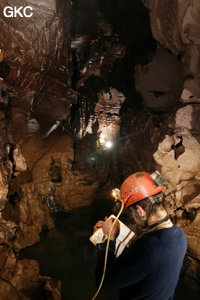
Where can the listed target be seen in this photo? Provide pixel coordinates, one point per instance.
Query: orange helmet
(138, 186)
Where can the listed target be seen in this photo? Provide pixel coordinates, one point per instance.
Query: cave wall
(36, 65)
(61, 86)
(170, 125)
(176, 27)
(35, 69)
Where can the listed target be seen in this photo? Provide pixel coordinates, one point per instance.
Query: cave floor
(67, 254)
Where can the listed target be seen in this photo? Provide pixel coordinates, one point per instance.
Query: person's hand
(98, 225)
(107, 227)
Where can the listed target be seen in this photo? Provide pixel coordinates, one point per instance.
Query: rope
(106, 252)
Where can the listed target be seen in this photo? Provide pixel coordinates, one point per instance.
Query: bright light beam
(109, 144)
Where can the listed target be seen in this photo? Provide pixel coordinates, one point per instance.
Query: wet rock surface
(73, 72)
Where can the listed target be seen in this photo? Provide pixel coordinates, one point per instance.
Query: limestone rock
(21, 279)
(176, 26)
(160, 82)
(191, 229)
(33, 215)
(19, 161)
(38, 69)
(58, 182)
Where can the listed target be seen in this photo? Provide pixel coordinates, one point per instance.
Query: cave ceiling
(69, 43)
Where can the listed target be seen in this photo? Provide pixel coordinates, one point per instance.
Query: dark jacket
(149, 269)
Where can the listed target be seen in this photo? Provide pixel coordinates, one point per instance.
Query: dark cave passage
(76, 76)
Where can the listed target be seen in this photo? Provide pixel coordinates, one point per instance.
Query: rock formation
(62, 85)
(179, 154)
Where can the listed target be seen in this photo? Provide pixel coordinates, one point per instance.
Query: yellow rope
(106, 252)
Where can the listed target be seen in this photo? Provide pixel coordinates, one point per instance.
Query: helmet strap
(145, 218)
(157, 223)
(152, 202)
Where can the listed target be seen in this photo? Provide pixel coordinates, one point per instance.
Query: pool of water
(67, 254)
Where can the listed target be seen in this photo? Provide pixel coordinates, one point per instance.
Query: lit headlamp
(116, 193)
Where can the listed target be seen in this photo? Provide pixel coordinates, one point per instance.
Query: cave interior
(92, 91)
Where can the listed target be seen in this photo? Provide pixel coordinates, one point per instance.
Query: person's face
(141, 213)
(137, 221)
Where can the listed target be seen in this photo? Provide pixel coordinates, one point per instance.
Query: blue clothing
(149, 269)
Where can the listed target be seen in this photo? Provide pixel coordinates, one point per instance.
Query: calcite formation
(179, 158)
(61, 89)
(176, 26)
(57, 184)
(160, 82)
(38, 66)
(35, 76)
(21, 279)
(106, 113)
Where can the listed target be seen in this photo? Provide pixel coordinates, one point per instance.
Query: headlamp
(158, 179)
(116, 194)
